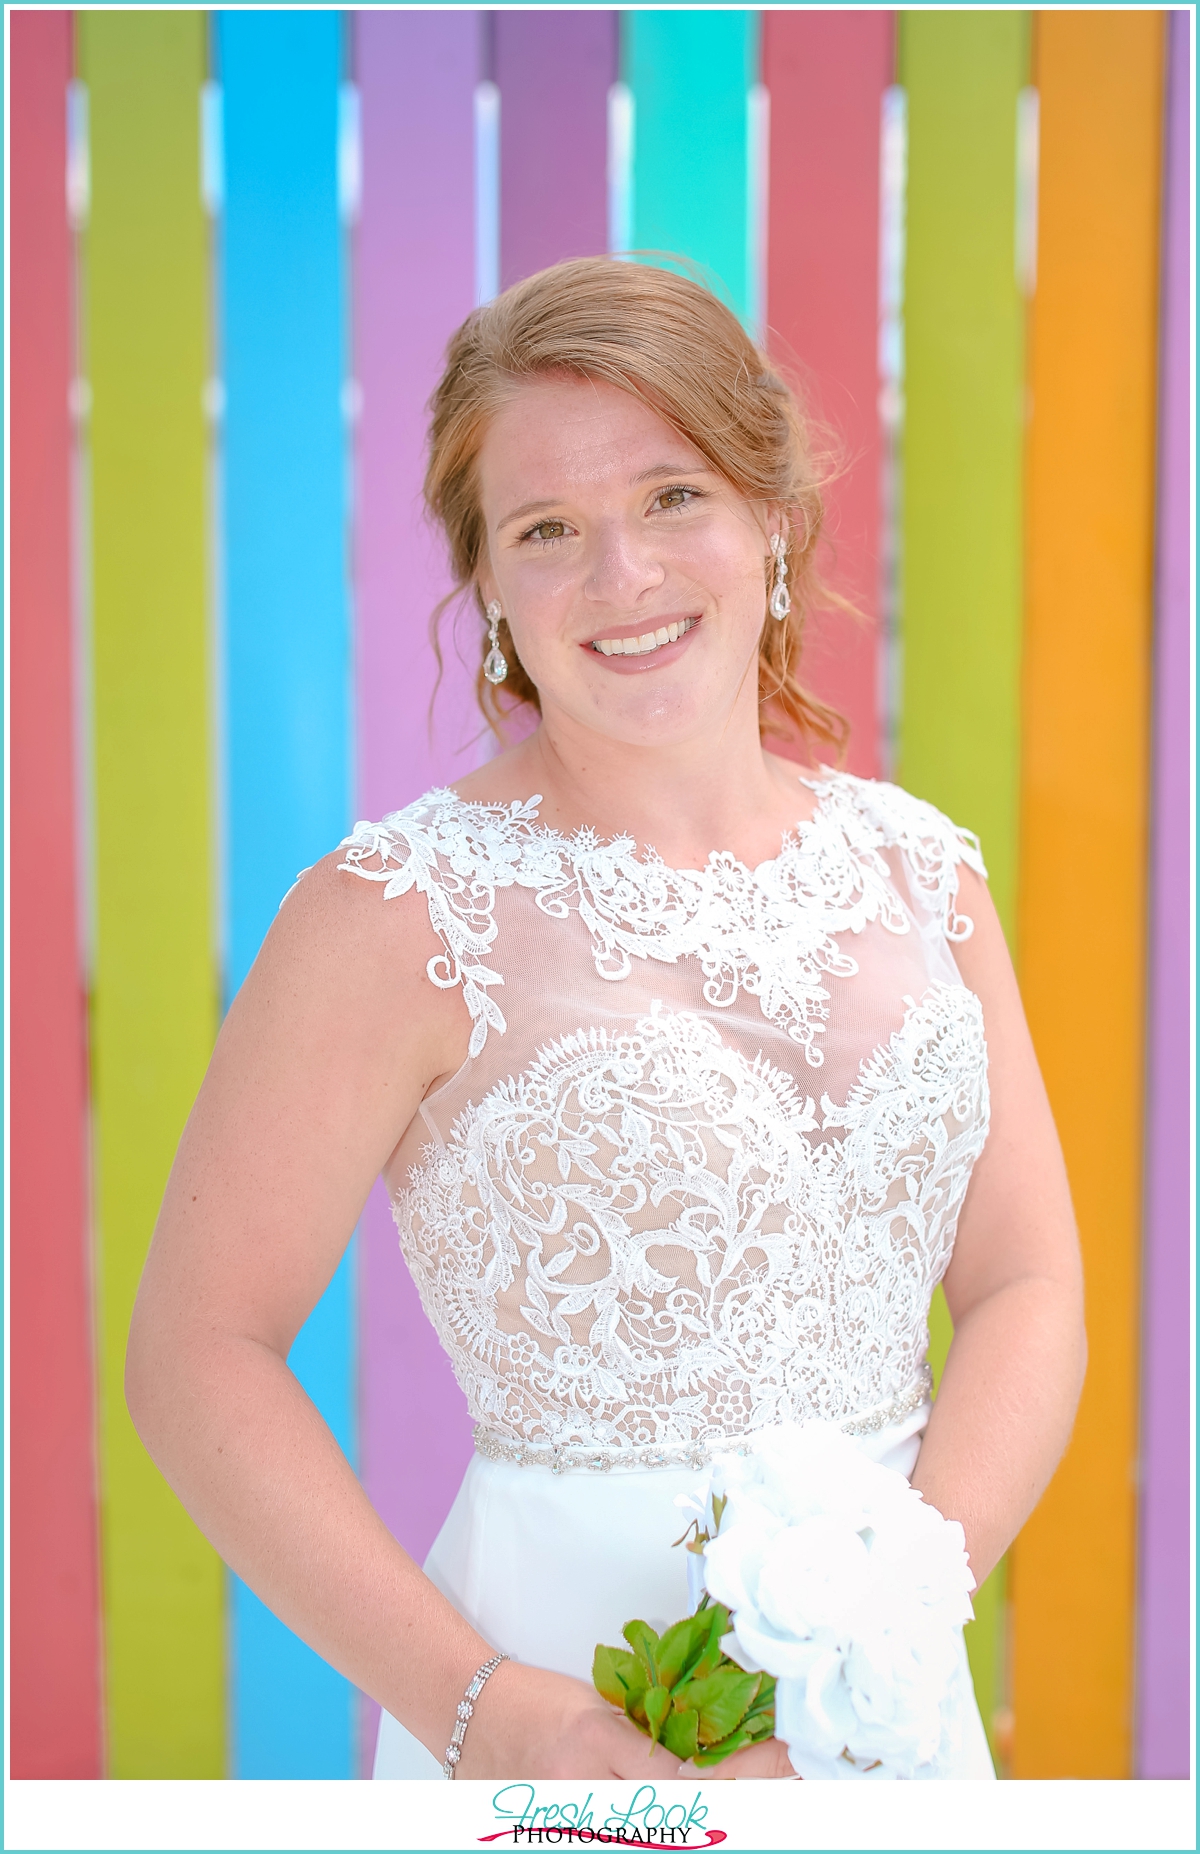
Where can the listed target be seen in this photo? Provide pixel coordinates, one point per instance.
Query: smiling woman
(690, 1074)
(706, 414)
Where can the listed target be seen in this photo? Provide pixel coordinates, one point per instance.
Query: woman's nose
(622, 565)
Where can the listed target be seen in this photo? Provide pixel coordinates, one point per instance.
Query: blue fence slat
(286, 674)
(691, 72)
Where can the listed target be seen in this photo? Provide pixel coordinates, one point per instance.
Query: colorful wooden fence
(233, 270)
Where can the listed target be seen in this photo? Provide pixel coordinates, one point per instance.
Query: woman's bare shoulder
(982, 954)
(331, 915)
(341, 986)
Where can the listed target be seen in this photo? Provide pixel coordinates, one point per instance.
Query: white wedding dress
(700, 1173)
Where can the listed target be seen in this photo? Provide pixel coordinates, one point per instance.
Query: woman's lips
(626, 649)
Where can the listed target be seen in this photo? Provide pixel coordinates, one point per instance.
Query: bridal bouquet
(843, 1593)
(850, 1589)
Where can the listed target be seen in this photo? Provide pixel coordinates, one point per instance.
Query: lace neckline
(586, 840)
(776, 931)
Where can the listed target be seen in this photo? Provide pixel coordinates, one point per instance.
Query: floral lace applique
(647, 1239)
(770, 932)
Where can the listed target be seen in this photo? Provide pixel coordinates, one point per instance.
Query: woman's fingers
(768, 1759)
(638, 1760)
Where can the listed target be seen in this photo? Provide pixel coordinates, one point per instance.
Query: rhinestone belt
(559, 1457)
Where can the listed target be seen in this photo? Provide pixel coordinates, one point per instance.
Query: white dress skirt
(547, 1565)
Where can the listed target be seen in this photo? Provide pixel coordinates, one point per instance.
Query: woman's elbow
(151, 1370)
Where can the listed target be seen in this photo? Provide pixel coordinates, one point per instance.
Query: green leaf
(644, 1642)
(764, 1701)
(613, 1671)
(712, 1654)
(679, 1733)
(634, 1707)
(713, 1754)
(680, 1647)
(657, 1706)
(721, 1700)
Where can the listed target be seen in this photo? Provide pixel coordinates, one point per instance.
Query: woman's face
(631, 574)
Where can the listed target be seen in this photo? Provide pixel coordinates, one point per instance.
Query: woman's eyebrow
(643, 476)
(527, 508)
(695, 468)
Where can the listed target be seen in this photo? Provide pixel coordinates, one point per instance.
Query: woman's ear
(775, 517)
(485, 585)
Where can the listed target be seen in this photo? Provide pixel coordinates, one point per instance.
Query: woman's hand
(766, 1759)
(530, 1723)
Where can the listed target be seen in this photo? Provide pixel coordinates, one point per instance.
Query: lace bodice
(702, 1168)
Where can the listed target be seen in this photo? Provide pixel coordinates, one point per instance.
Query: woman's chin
(657, 724)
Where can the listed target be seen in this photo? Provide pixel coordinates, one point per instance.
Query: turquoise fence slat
(287, 675)
(690, 74)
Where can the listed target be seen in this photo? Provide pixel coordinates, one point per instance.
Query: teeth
(641, 646)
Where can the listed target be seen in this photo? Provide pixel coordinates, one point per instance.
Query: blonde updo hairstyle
(671, 343)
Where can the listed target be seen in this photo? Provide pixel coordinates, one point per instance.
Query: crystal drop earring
(780, 602)
(495, 666)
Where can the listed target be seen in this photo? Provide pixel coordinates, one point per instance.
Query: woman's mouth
(647, 643)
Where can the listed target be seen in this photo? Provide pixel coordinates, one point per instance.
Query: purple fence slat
(1165, 1632)
(553, 70)
(414, 281)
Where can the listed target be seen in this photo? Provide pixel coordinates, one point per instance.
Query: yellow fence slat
(154, 1001)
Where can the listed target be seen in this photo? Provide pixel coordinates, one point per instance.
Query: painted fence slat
(414, 283)
(963, 428)
(1164, 1735)
(826, 74)
(960, 585)
(54, 1570)
(1082, 932)
(553, 69)
(154, 1004)
(690, 73)
(287, 672)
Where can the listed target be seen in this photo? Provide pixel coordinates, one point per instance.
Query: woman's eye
(546, 531)
(676, 497)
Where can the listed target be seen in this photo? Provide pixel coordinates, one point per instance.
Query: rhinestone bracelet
(466, 1707)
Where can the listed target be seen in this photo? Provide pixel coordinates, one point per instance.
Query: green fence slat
(963, 440)
(154, 1003)
(961, 528)
(690, 74)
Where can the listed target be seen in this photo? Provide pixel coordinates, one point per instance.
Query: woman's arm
(1014, 1287)
(320, 1065)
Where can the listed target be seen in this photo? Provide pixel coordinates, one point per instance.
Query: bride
(690, 1072)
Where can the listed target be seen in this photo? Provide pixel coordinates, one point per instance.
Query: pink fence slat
(414, 282)
(553, 69)
(826, 73)
(55, 1632)
(1164, 1731)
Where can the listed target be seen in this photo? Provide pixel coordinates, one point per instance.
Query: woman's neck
(684, 799)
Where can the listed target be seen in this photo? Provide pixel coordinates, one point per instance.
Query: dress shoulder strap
(931, 845)
(457, 855)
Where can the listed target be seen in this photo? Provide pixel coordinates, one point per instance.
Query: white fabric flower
(849, 1588)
